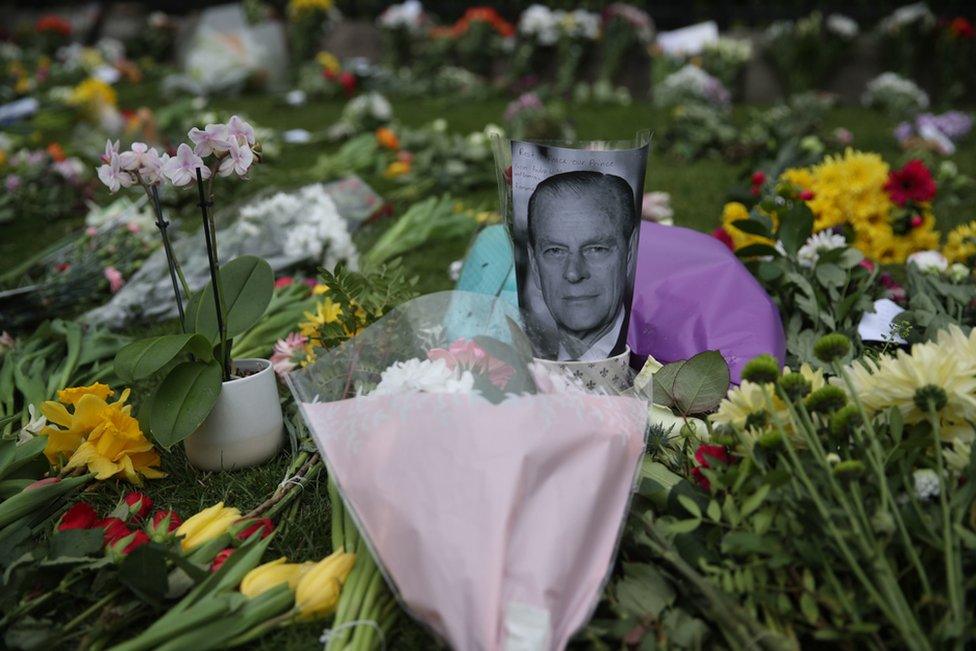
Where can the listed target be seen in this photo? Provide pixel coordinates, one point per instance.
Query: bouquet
(560, 466)
(691, 85)
(805, 52)
(895, 95)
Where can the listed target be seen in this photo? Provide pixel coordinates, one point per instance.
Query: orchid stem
(172, 263)
(210, 238)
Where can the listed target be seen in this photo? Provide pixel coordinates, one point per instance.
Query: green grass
(697, 190)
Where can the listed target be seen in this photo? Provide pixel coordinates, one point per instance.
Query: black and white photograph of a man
(575, 225)
(581, 232)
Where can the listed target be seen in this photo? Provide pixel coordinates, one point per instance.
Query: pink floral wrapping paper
(496, 523)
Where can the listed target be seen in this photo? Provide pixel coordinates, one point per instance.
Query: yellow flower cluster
(747, 400)
(948, 363)
(960, 244)
(328, 61)
(849, 189)
(735, 211)
(92, 95)
(301, 8)
(326, 312)
(98, 434)
(317, 586)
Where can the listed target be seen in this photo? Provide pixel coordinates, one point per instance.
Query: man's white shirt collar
(602, 347)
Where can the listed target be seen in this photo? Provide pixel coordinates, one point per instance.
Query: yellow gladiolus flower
(72, 395)
(206, 525)
(264, 577)
(318, 590)
(117, 446)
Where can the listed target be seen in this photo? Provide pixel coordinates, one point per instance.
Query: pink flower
(132, 160)
(12, 182)
(283, 281)
(133, 227)
(212, 139)
(91, 231)
(152, 167)
(114, 278)
(182, 169)
(238, 161)
(240, 129)
(287, 352)
(470, 356)
(110, 149)
(113, 176)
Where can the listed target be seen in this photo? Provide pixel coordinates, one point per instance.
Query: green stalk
(357, 593)
(338, 535)
(953, 580)
(362, 637)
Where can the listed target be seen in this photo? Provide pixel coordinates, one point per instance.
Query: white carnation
(928, 261)
(426, 376)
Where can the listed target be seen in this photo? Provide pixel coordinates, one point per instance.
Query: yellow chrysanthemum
(960, 243)
(328, 61)
(733, 212)
(948, 363)
(92, 94)
(801, 177)
(747, 400)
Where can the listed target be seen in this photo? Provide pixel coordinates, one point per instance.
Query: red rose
(140, 539)
(115, 529)
(79, 516)
(807, 195)
(264, 525)
(705, 455)
(913, 182)
(174, 520)
(139, 505)
(221, 558)
(722, 236)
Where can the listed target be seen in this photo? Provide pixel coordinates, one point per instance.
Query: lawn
(697, 191)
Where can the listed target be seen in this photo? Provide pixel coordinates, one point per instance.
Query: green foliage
(693, 386)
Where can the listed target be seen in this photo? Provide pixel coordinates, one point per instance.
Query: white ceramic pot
(613, 374)
(245, 427)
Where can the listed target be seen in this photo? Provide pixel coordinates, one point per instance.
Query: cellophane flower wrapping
(491, 489)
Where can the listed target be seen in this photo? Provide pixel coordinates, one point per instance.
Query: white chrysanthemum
(541, 23)
(407, 15)
(426, 376)
(928, 261)
(818, 243)
(947, 363)
(842, 26)
(927, 484)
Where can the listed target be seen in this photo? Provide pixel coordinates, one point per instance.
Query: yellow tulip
(264, 577)
(318, 589)
(207, 525)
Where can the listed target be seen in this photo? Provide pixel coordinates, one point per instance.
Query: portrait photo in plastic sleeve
(575, 224)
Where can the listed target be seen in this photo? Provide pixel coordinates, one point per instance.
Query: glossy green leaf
(796, 228)
(143, 358)
(183, 400)
(246, 288)
(752, 227)
(700, 383)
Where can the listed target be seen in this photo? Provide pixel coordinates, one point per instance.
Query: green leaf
(690, 506)
(755, 500)
(246, 288)
(144, 570)
(744, 542)
(752, 227)
(830, 275)
(701, 383)
(183, 400)
(643, 591)
(714, 511)
(675, 527)
(757, 251)
(143, 358)
(796, 228)
(75, 543)
(664, 383)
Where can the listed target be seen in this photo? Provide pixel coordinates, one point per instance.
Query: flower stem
(175, 271)
(953, 580)
(211, 240)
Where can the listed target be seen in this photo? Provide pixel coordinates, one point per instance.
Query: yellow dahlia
(960, 243)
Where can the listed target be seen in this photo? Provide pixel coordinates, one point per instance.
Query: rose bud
(79, 516)
(139, 505)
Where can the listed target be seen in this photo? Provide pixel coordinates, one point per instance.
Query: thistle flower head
(763, 369)
(795, 386)
(834, 346)
(844, 421)
(826, 399)
(931, 398)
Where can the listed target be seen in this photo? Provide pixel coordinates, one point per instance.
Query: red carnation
(79, 516)
(264, 525)
(913, 182)
(723, 236)
(139, 504)
(115, 529)
(221, 558)
(140, 539)
(703, 454)
(348, 82)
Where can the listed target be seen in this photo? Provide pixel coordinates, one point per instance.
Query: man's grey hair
(617, 197)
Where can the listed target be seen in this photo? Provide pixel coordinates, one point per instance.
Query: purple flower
(903, 132)
(152, 167)
(238, 161)
(110, 148)
(133, 159)
(113, 176)
(182, 169)
(238, 128)
(12, 182)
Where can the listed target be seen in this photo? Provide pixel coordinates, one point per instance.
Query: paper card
(876, 326)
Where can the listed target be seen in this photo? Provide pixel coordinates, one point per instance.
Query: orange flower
(56, 152)
(386, 138)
